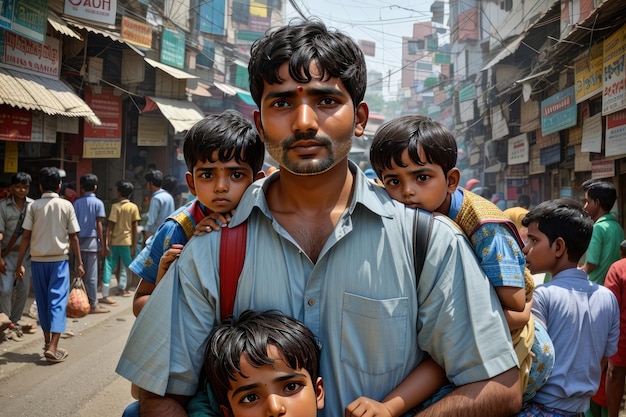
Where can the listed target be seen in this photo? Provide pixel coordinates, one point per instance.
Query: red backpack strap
(232, 256)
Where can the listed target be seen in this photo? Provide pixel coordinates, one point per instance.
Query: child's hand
(366, 407)
(170, 256)
(212, 222)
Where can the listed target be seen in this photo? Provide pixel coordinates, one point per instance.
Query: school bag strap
(422, 226)
(232, 256)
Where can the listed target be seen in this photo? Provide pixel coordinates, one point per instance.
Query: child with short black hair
(264, 364)
(582, 317)
(415, 158)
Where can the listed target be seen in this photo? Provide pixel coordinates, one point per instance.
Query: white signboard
(518, 150)
(102, 11)
(592, 134)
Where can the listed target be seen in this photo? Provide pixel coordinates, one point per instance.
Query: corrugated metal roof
(180, 113)
(51, 96)
(61, 26)
(174, 72)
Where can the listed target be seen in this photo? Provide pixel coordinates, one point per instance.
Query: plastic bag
(77, 302)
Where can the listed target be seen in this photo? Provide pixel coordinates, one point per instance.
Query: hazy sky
(384, 22)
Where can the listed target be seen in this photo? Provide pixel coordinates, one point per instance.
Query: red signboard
(103, 141)
(15, 124)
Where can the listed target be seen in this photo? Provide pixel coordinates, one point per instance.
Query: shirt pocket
(374, 333)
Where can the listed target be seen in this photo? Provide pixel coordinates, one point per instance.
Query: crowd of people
(301, 291)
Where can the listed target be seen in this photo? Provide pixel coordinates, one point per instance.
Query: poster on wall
(592, 134)
(104, 141)
(614, 82)
(615, 134)
(11, 151)
(558, 112)
(15, 124)
(151, 131)
(518, 150)
(25, 17)
(589, 74)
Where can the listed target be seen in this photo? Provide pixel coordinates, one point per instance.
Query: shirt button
(311, 302)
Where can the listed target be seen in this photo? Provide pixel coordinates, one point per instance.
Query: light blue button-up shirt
(161, 206)
(359, 299)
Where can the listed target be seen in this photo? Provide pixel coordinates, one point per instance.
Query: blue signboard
(558, 112)
(173, 48)
(212, 17)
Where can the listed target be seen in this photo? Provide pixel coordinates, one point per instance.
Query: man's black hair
(251, 334)
(301, 43)
(89, 182)
(523, 200)
(21, 178)
(412, 132)
(155, 177)
(125, 188)
(564, 218)
(50, 179)
(228, 133)
(603, 191)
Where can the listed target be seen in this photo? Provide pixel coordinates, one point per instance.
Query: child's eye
(293, 387)
(422, 177)
(206, 175)
(237, 175)
(250, 398)
(392, 182)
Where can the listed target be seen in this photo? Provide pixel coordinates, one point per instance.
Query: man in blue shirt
(161, 203)
(90, 214)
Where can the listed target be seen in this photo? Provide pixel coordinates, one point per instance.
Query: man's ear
(259, 125)
(226, 411)
(361, 115)
(454, 176)
(190, 183)
(319, 393)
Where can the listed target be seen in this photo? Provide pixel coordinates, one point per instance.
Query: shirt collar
(49, 194)
(365, 192)
(606, 216)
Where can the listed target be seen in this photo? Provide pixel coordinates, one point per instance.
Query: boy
(265, 364)
(574, 309)
(50, 228)
(121, 239)
(13, 293)
(224, 155)
(90, 214)
(415, 158)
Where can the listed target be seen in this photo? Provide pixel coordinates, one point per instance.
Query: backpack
(233, 254)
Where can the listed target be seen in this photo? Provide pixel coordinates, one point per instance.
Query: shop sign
(518, 150)
(534, 164)
(615, 134)
(173, 48)
(11, 150)
(136, 32)
(151, 131)
(213, 17)
(614, 82)
(104, 141)
(41, 58)
(550, 155)
(44, 128)
(589, 74)
(15, 124)
(25, 17)
(592, 134)
(581, 160)
(558, 112)
(102, 11)
(602, 168)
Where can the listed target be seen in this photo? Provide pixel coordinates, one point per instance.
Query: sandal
(56, 357)
(109, 301)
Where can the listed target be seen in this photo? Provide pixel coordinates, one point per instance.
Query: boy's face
(219, 185)
(274, 390)
(539, 254)
(426, 187)
(591, 206)
(20, 190)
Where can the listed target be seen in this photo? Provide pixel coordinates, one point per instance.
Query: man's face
(20, 190)
(308, 127)
(591, 206)
(274, 390)
(219, 185)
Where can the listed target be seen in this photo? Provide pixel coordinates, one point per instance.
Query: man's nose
(305, 119)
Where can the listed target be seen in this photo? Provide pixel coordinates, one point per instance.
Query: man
(161, 203)
(331, 249)
(607, 233)
(13, 293)
(90, 214)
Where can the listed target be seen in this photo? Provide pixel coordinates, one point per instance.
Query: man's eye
(327, 101)
(280, 104)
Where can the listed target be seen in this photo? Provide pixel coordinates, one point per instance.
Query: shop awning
(106, 33)
(505, 52)
(174, 72)
(245, 96)
(51, 96)
(181, 114)
(61, 26)
(225, 88)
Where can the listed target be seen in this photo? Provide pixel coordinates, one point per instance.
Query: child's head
(154, 177)
(125, 188)
(224, 155)
(415, 158)
(262, 361)
(88, 182)
(559, 232)
(20, 184)
(599, 197)
(50, 179)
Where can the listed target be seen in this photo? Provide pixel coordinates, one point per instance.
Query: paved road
(84, 385)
